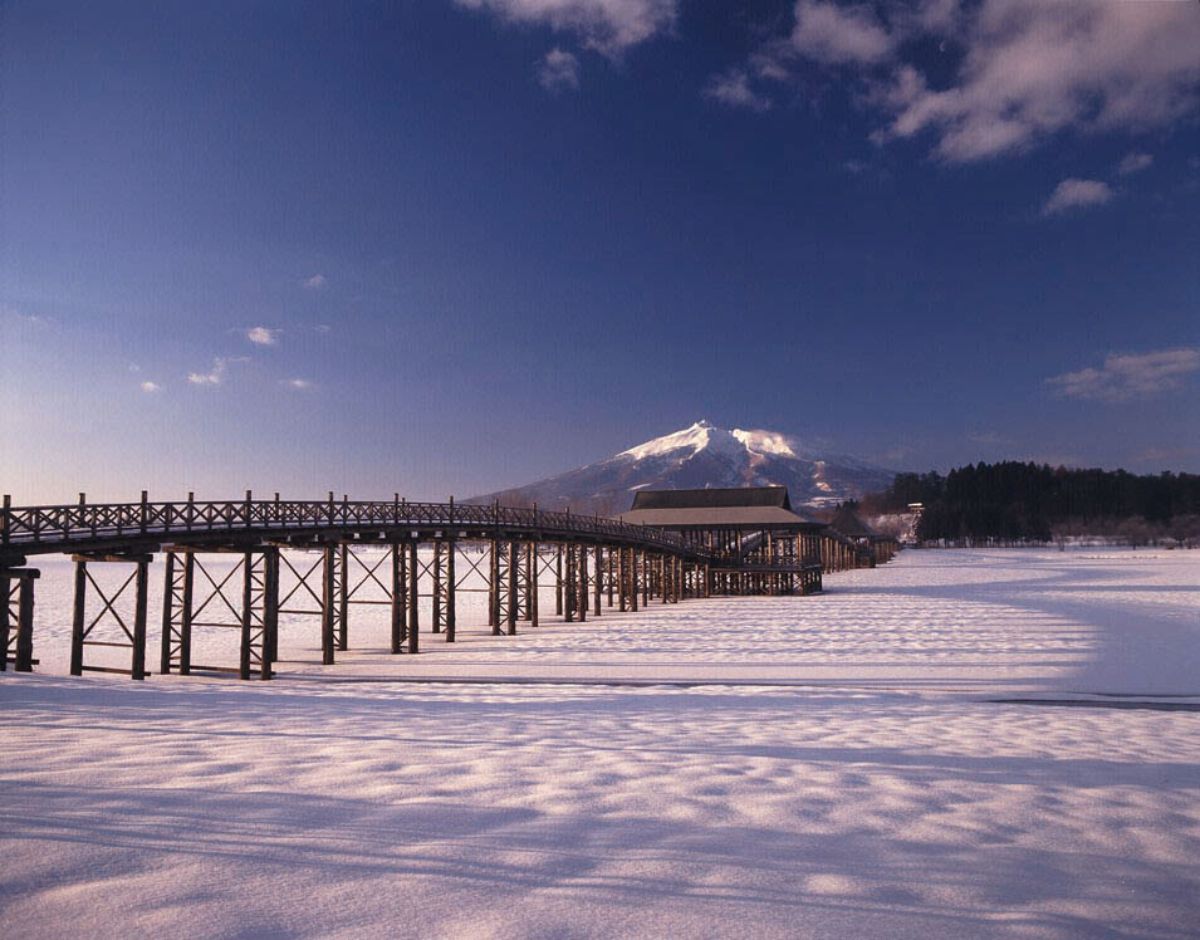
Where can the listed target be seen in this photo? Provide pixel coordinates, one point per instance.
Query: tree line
(1027, 502)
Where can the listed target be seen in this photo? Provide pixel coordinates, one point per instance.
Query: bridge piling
(582, 597)
(16, 610)
(450, 602)
(598, 582)
(81, 630)
(414, 598)
(398, 607)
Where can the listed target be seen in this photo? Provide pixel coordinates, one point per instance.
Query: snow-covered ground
(970, 743)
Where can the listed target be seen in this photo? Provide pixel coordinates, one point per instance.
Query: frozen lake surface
(966, 743)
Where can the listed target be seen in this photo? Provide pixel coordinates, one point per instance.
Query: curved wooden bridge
(306, 558)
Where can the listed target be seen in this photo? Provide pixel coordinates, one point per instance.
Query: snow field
(889, 795)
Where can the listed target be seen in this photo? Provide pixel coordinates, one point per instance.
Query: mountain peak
(685, 443)
(699, 456)
(703, 435)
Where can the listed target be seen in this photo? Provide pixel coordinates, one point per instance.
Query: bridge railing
(25, 526)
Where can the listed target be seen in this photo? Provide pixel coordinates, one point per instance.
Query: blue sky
(442, 247)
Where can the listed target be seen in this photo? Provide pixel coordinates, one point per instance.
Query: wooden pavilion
(761, 544)
(871, 547)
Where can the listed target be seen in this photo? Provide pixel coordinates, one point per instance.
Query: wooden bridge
(306, 558)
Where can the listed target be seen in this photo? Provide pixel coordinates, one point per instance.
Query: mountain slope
(702, 456)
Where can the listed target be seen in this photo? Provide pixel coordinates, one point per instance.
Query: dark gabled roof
(735, 508)
(846, 521)
(733, 497)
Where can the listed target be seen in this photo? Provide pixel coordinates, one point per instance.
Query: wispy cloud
(150, 387)
(1020, 72)
(1130, 376)
(263, 336)
(559, 71)
(25, 318)
(1134, 163)
(215, 375)
(608, 26)
(298, 385)
(836, 34)
(733, 89)
(316, 282)
(1077, 194)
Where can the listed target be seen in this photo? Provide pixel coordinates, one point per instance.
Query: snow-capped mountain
(702, 456)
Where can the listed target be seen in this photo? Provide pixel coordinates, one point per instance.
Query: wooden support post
(17, 585)
(435, 598)
(399, 596)
(533, 584)
(598, 583)
(168, 614)
(529, 579)
(645, 566)
(513, 571)
(329, 603)
(138, 670)
(622, 577)
(185, 616)
(414, 598)
(270, 611)
(558, 582)
(451, 601)
(611, 570)
(570, 585)
(343, 628)
(494, 586)
(24, 659)
(583, 582)
(77, 619)
(6, 590)
(636, 569)
(247, 614)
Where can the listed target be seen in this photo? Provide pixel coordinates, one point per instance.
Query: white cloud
(150, 387)
(837, 34)
(1077, 194)
(608, 26)
(1022, 70)
(316, 282)
(215, 375)
(298, 384)
(1033, 68)
(263, 336)
(733, 89)
(559, 70)
(1134, 163)
(1129, 376)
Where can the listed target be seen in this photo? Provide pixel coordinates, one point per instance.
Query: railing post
(5, 525)
(142, 517)
(331, 507)
(246, 516)
(396, 509)
(191, 509)
(277, 510)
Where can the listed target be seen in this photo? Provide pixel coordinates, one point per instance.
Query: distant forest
(1022, 502)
